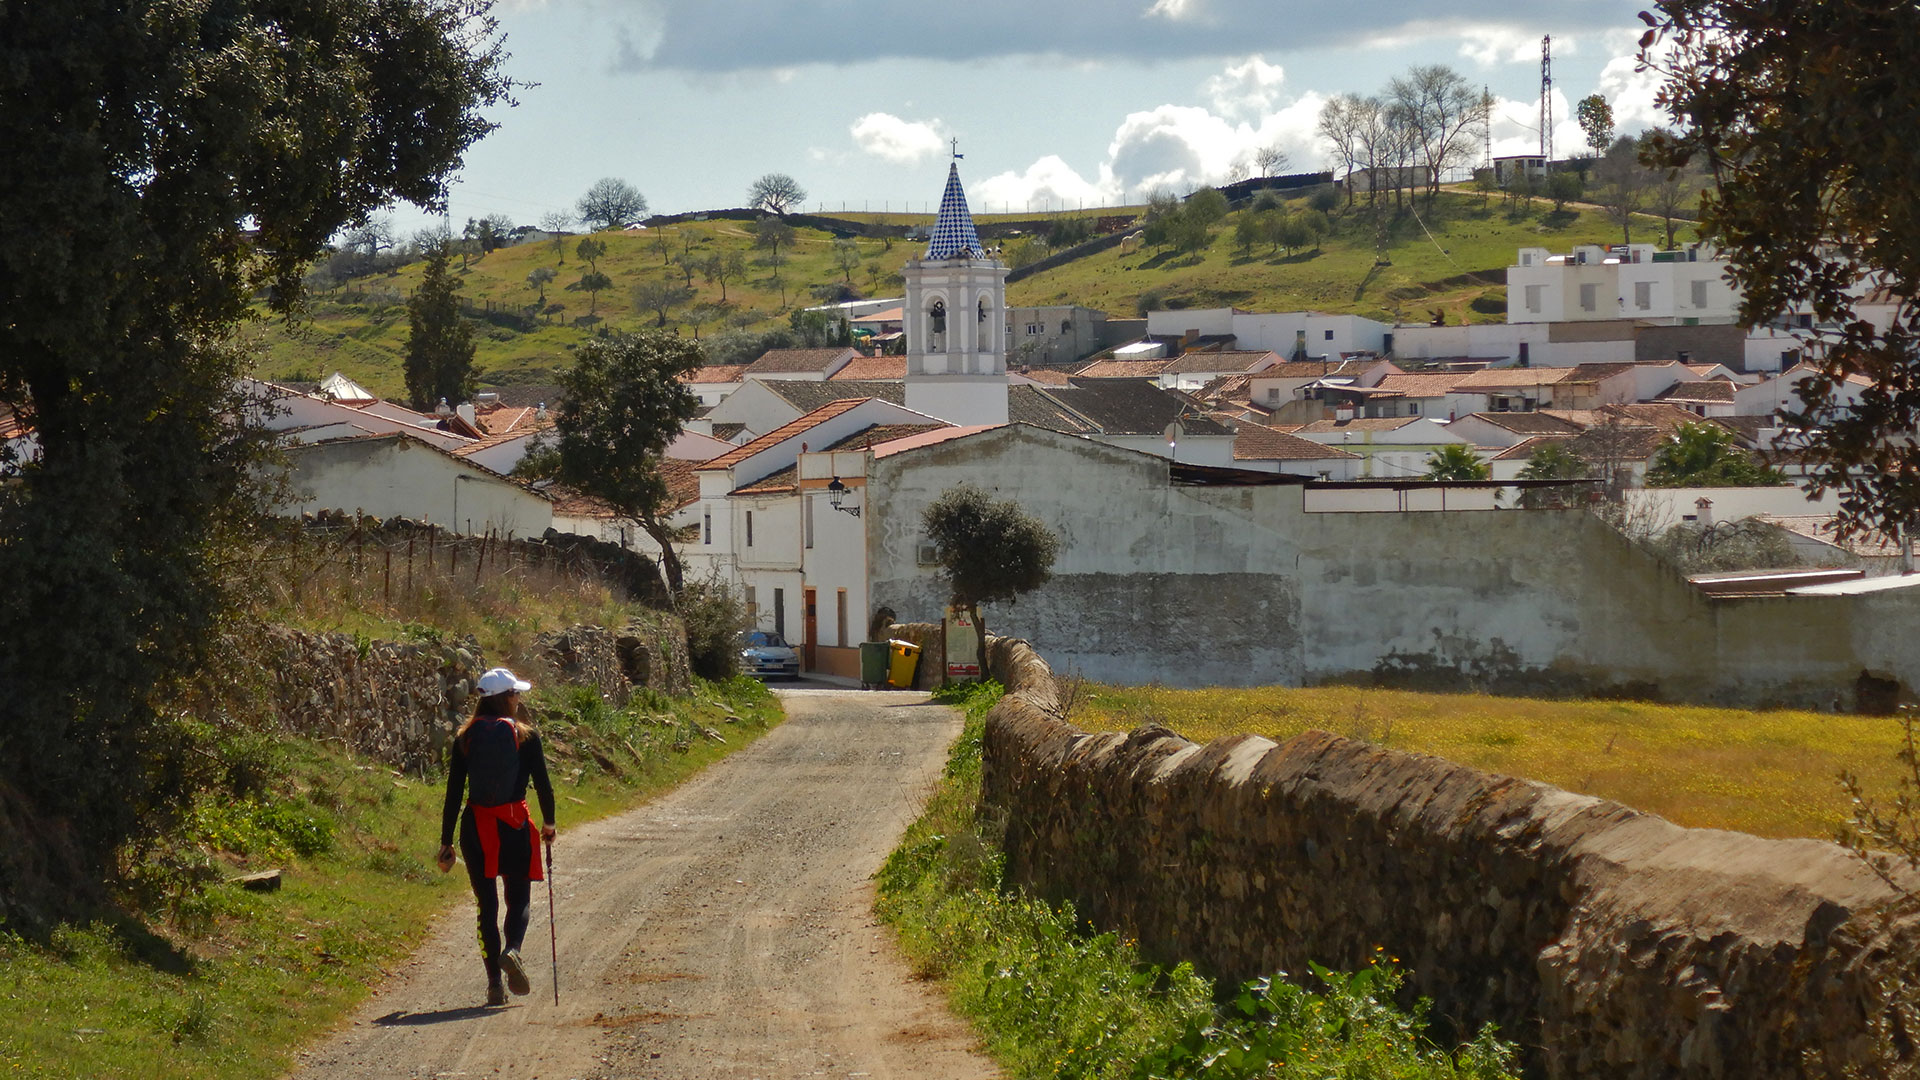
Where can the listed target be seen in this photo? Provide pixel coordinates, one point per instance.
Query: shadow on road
(403, 1018)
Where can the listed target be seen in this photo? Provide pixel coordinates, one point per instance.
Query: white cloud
(1632, 94)
(1174, 10)
(903, 142)
(1491, 46)
(1178, 147)
(1049, 182)
(1248, 87)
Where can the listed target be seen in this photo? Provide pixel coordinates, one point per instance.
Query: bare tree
(1444, 115)
(846, 255)
(557, 226)
(1622, 185)
(722, 268)
(776, 193)
(1270, 159)
(660, 296)
(1339, 130)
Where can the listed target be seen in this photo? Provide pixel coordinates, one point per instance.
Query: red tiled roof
(1256, 443)
(715, 373)
(872, 368)
(12, 425)
(797, 361)
(897, 314)
(1122, 369)
(1528, 423)
(781, 434)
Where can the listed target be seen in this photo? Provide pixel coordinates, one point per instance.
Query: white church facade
(955, 315)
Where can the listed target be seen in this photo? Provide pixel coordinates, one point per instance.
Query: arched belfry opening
(956, 367)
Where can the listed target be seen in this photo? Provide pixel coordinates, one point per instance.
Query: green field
(1768, 773)
(1447, 257)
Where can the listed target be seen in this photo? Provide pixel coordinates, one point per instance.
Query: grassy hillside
(195, 977)
(1769, 773)
(1448, 257)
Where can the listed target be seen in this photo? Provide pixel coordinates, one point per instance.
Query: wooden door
(810, 624)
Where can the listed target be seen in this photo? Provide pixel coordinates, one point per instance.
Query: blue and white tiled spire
(954, 236)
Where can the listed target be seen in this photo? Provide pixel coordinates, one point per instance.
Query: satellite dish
(1174, 431)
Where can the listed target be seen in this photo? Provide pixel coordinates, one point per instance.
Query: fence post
(386, 586)
(410, 539)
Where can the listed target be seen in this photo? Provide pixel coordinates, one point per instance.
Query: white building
(1688, 286)
(1294, 335)
(396, 475)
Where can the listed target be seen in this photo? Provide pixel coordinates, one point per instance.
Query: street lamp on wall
(837, 494)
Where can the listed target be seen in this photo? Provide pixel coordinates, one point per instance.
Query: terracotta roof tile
(1711, 391)
(1122, 369)
(683, 489)
(1361, 423)
(1528, 423)
(716, 373)
(808, 395)
(798, 361)
(1256, 443)
(882, 368)
(782, 434)
(1192, 363)
(1524, 449)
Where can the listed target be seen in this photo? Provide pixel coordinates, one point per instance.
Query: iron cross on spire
(957, 155)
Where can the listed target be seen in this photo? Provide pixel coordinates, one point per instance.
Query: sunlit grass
(1770, 773)
(233, 982)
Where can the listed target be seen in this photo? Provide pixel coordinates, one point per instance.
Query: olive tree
(166, 164)
(610, 203)
(989, 549)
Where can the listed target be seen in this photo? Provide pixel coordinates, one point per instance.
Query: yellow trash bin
(905, 661)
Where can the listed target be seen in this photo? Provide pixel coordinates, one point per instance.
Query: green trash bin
(873, 665)
(905, 659)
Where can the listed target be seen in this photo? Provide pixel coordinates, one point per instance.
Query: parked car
(765, 655)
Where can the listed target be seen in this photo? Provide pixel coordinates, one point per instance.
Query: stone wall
(1606, 942)
(616, 662)
(399, 702)
(391, 701)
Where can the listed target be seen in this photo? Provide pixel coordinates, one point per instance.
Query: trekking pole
(553, 935)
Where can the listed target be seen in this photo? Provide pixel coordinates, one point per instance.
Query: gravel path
(724, 930)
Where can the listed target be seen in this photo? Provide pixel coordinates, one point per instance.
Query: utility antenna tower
(1546, 101)
(1486, 125)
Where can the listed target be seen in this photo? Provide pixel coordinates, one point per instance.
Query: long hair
(493, 705)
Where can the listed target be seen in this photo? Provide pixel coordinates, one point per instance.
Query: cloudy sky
(1074, 102)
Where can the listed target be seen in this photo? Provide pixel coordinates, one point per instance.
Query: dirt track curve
(722, 931)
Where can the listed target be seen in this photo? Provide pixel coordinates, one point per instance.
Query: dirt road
(723, 931)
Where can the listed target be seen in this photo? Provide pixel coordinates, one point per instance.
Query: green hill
(1450, 256)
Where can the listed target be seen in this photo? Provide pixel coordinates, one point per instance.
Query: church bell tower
(956, 320)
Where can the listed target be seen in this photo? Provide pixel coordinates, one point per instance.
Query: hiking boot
(516, 974)
(496, 994)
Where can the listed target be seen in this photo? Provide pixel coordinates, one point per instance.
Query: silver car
(766, 655)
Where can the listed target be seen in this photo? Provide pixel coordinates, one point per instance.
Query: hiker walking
(494, 755)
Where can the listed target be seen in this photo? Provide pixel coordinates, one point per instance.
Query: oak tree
(623, 402)
(610, 203)
(166, 164)
(776, 193)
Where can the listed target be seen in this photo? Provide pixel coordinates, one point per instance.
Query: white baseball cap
(500, 680)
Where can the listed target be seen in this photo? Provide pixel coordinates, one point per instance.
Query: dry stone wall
(1607, 942)
(395, 702)
(399, 702)
(616, 662)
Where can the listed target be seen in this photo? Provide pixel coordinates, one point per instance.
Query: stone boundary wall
(399, 702)
(390, 701)
(1606, 942)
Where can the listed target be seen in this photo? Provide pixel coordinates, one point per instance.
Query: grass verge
(1051, 998)
(220, 982)
(1769, 773)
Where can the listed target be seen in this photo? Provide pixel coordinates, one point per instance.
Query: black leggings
(518, 889)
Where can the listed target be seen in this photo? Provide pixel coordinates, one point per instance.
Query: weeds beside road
(216, 981)
(1053, 999)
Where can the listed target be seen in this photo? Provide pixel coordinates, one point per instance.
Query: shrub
(715, 614)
